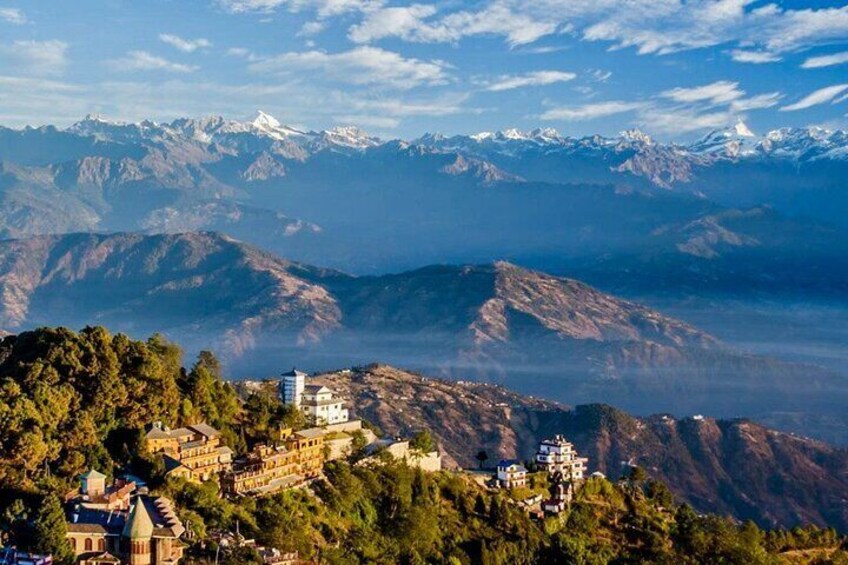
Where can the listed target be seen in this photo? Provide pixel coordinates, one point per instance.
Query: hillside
(537, 333)
(726, 466)
(75, 401)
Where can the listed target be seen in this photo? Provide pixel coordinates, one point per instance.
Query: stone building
(118, 526)
(266, 469)
(194, 452)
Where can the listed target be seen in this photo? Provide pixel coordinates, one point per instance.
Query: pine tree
(51, 531)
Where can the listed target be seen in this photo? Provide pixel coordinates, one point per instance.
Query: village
(119, 521)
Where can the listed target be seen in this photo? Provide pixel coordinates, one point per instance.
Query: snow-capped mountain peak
(731, 141)
(742, 129)
(350, 136)
(636, 135)
(265, 121)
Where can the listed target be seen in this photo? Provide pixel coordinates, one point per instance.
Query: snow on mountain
(631, 151)
(731, 142)
(350, 136)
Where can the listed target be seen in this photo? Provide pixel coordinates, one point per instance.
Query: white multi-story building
(321, 406)
(291, 387)
(557, 455)
(511, 474)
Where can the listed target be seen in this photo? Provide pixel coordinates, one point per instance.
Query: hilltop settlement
(113, 453)
(120, 522)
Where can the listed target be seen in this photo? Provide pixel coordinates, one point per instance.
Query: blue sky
(672, 68)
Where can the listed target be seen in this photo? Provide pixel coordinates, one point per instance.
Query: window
(88, 544)
(101, 545)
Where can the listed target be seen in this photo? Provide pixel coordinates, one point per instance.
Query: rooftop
(310, 433)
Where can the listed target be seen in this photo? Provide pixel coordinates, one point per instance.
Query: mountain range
(740, 235)
(538, 198)
(541, 334)
(734, 467)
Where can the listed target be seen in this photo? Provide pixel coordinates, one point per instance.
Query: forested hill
(728, 466)
(74, 401)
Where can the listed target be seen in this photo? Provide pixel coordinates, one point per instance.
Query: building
(318, 403)
(194, 452)
(120, 527)
(268, 469)
(557, 455)
(400, 450)
(562, 494)
(321, 406)
(94, 492)
(511, 474)
(291, 387)
(309, 445)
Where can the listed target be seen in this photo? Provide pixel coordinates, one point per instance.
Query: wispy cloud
(758, 102)
(382, 122)
(826, 60)
(682, 120)
(361, 65)
(413, 23)
(755, 57)
(144, 61)
(760, 34)
(536, 78)
(185, 45)
(36, 57)
(590, 111)
(13, 16)
(324, 8)
(717, 92)
(820, 96)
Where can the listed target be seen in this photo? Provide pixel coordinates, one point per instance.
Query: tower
(291, 388)
(138, 534)
(93, 483)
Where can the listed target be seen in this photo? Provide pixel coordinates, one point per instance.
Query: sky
(672, 68)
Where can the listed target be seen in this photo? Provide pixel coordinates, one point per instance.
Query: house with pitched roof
(137, 530)
(194, 452)
(511, 473)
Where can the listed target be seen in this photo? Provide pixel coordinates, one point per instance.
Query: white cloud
(36, 57)
(535, 78)
(144, 61)
(368, 121)
(719, 92)
(826, 60)
(590, 111)
(239, 6)
(759, 34)
(682, 120)
(405, 22)
(755, 57)
(311, 28)
(600, 75)
(324, 8)
(414, 23)
(757, 102)
(820, 96)
(185, 45)
(239, 52)
(361, 65)
(13, 16)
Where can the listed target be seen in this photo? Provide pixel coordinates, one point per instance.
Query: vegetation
(76, 400)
